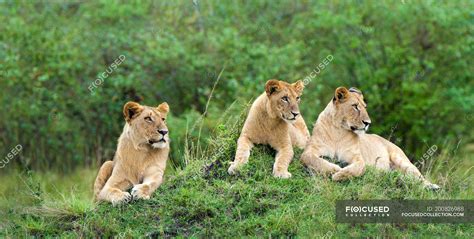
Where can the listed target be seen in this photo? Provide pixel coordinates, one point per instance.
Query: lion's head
(284, 98)
(351, 112)
(147, 125)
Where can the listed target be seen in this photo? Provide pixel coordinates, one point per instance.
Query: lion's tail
(104, 174)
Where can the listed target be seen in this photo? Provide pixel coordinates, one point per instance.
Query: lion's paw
(141, 191)
(432, 186)
(334, 169)
(340, 176)
(120, 198)
(281, 174)
(233, 168)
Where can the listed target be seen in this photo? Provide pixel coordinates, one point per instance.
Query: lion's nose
(366, 123)
(163, 132)
(295, 113)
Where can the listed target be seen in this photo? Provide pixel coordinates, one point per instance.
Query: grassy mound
(202, 200)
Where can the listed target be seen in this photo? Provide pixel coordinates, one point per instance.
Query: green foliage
(412, 60)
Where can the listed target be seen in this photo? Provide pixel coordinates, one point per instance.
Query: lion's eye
(148, 119)
(355, 106)
(285, 98)
(298, 98)
(163, 119)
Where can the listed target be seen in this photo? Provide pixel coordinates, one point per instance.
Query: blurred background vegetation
(412, 59)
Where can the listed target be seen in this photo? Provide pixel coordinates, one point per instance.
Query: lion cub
(274, 119)
(340, 133)
(140, 160)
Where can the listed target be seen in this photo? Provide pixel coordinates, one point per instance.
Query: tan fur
(272, 121)
(339, 133)
(141, 156)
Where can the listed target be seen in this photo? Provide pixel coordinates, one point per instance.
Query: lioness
(274, 119)
(140, 160)
(339, 133)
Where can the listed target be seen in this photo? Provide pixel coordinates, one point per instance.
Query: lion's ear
(163, 108)
(341, 94)
(272, 86)
(131, 110)
(299, 86)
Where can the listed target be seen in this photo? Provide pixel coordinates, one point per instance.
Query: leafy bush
(413, 60)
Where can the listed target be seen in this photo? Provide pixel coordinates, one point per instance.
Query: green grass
(202, 200)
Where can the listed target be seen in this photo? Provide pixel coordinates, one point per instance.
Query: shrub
(412, 60)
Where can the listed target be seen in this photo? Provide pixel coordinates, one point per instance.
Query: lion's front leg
(355, 169)
(114, 190)
(312, 158)
(282, 161)
(152, 180)
(299, 133)
(242, 154)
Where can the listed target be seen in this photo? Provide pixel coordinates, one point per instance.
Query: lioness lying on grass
(339, 133)
(274, 119)
(140, 160)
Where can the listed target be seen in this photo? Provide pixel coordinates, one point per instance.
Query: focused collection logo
(406, 211)
(367, 211)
